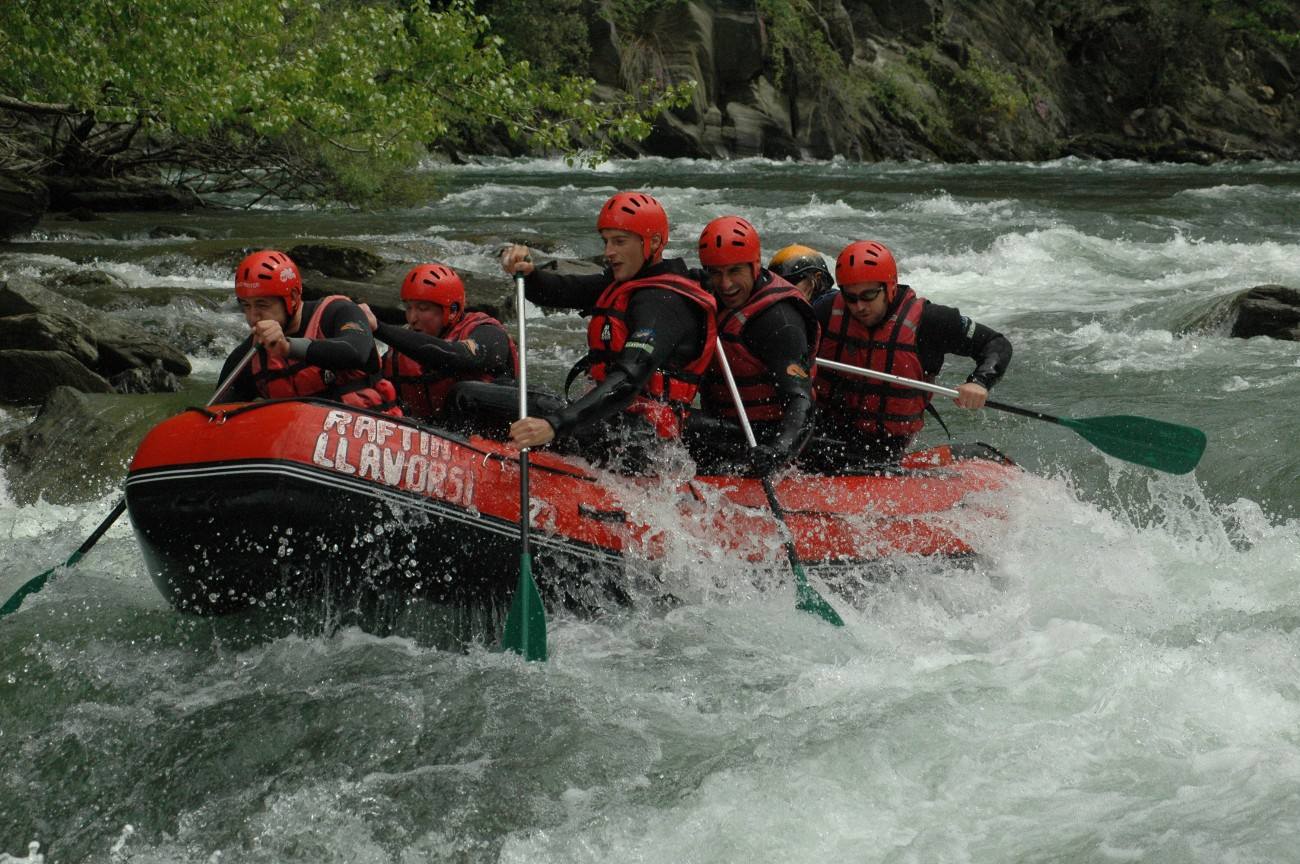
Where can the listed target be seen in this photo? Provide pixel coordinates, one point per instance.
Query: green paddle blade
(808, 600)
(1143, 441)
(525, 631)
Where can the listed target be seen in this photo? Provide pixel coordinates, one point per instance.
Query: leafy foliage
(1275, 20)
(550, 34)
(302, 98)
(796, 34)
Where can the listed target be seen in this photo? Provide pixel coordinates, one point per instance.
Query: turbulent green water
(1115, 679)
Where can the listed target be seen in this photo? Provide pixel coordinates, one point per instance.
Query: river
(1117, 678)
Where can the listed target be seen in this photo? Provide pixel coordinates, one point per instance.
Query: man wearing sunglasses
(875, 323)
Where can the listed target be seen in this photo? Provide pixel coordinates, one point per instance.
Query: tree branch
(12, 104)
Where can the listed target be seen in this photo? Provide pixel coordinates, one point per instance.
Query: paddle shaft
(524, 549)
(930, 388)
(1141, 440)
(807, 597)
(36, 583)
(525, 627)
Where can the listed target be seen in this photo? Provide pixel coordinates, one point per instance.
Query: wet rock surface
(53, 340)
(1269, 310)
(79, 444)
(963, 80)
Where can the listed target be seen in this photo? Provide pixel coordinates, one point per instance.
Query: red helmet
(867, 261)
(639, 214)
(730, 240)
(270, 274)
(436, 283)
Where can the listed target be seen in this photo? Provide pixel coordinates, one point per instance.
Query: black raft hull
(285, 503)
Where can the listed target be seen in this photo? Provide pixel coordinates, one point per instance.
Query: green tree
(299, 98)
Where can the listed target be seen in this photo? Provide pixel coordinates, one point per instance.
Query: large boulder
(23, 200)
(52, 339)
(50, 331)
(339, 262)
(1269, 310)
(27, 377)
(124, 346)
(79, 445)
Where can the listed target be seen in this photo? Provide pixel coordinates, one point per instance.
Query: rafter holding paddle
(1167, 447)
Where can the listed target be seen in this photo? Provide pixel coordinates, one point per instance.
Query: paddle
(1154, 443)
(36, 583)
(806, 597)
(525, 630)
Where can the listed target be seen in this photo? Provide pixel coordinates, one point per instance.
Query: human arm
(545, 287)
(346, 341)
(779, 338)
(944, 330)
(660, 323)
(487, 349)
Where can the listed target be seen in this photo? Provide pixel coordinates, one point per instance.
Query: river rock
(81, 346)
(27, 377)
(50, 331)
(340, 262)
(93, 287)
(23, 200)
(1269, 310)
(80, 443)
(141, 379)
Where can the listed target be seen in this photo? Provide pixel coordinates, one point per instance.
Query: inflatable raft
(261, 503)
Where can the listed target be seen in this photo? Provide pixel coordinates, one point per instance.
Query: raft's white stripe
(410, 500)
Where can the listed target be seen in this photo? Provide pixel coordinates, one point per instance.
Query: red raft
(280, 501)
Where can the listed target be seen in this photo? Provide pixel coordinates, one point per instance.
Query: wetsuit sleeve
(347, 342)
(490, 353)
(545, 287)
(660, 323)
(822, 308)
(779, 337)
(944, 330)
(243, 388)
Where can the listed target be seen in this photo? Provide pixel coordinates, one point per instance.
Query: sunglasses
(863, 297)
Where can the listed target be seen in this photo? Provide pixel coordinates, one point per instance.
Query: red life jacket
(423, 393)
(669, 391)
(286, 377)
(756, 384)
(874, 407)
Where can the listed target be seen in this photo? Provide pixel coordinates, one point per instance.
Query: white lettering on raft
(413, 460)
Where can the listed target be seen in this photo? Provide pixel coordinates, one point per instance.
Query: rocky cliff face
(960, 80)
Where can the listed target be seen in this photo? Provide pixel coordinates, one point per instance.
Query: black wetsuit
(345, 347)
(491, 355)
(943, 330)
(778, 337)
(595, 425)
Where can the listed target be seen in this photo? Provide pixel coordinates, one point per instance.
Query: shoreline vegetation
(159, 104)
